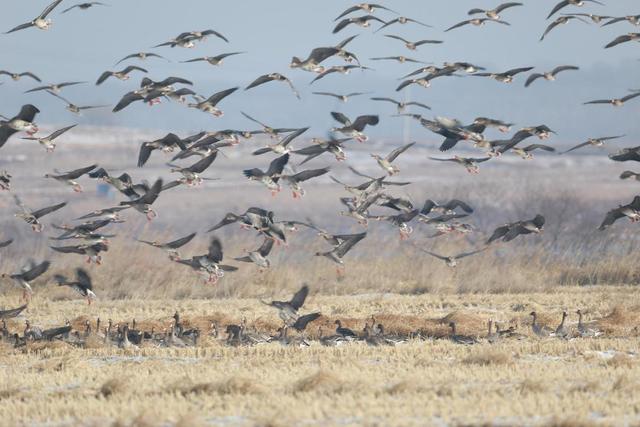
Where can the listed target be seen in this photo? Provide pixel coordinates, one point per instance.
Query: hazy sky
(82, 44)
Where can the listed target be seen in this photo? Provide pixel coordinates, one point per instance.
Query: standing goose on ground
(583, 330)
(549, 76)
(271, 176)
(630, 175)
(16, 76)
(143, 203)
(560, 21)
(41, 22)
(477, 22)
(81, 285)
(120, 75)
(460, 339)
(70, 177)
(631, 211)
(362, 21)
(512, 230)
(5, 180)
(539, 330)
(495, 12)
(385, 162)
(213, 60)
(32, 217)
(171, 247)
(47, 141)
(343, 98)
(596, 142)
(630, 37)
(562, 331)
(141, 56)
(507, 76)
(73, 108)
(22, 122)
(293, 181)
(400, 106)
(209, 263)
(470, 163)
(344, 332)
(355, 129)
(259, 256)
(402, 20)
(282, 146)
(337, 253)
(615, 101)
(565, 3)
(452, 261)
(413, 45)
(28, 274)
(273, 77)
(92, 251)
(55, 88)
(209, 105)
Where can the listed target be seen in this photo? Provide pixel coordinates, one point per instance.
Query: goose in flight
(120, 75)
(565, 3)
(293, 181)
(143, 203)
(470, 163)
(560, 21)
(32, 217)
(400, 58)
(631, 211)
(55, 88)
(549, 76)
(17, 76)
(362, 21)
(616, 102)
(632, 19)
(596, 142)
(341, 97)
(386, 162)
(5, 181)
(273, 77)
(623, 39)
(402, 20)
(495, 12)
(172, 246)
(210, 104)
(27, 275)
(84, 6)
(413, 45)
(365, 7)
(452, 261)
(22, 122)
(596, 19)
(282, 146)
(400, 220)
(149, 87)
(321, 146)
(512, 230)
(209, 264)
(273, 133)
(73, 108)
(288, 310)
(356, 128)
(141, 56)
(48, 141)
(259, 256)
(315, 58)
(338, 252)
(507, 76)
(69, 178)
(191, 175)
(92, 251)
(477, 22)
(426, 80)
(630, 175)
(271, 176)
(343, 69)
(400, 105)
(213, 60)
(82, 285)
(41, 22)
(626, 154)
(526, 152)
(445, 208)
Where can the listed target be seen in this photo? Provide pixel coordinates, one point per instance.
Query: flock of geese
(444, 217)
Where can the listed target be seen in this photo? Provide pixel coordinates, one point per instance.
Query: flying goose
(209, 263)
(481, 123)
(560, 21)
(41, 22)
(539, 330)
(273, 77)
(630, 175)
(151, 89)
(92, 251)
(565, 3)
(401, 221)
(210, 104)
(141, 56)
(400, 106)
(549, 76)
(16, 76)
(343, 69)
(631, 211)
(596, 142)
(191, 174)
(200, 35)
(120, 75)
(426, 80)
(172, 246)
(495, 12)
(413, 45)
(32, 217)
(5, 180)
(48, 141)
(271, 176)
(268, 130)
(282, 146)
(452, 261)
(355, 129)
(293, 181)
(446, 208)
(507, 76)
(632, 19)
(167, 144)
(402, 20)
(82, 230)
(27, 275)
(526, 152)
(362, 21)
(623, 39)
(615, 102)
(22, 122)
(470, 163)
(84, 6)
(73, 108)
(338, 252)
(143, 203)
(399, 58)
(254, 217)
(320, 146)
(259, 256)
(81, 285)
(512, 230)
(596, 19)
(385, 162)
(626, 154)
(121, 183)
(460, 339)
(478, 22)
(365, 7)
(11, 313)
(70, 177)
(55, 88)
(344, 98)
(213, 60)
(312, 62)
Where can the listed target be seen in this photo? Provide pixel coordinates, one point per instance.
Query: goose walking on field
(40, 22)
(539, 330)
(69, 178)
(172, 246)
(33, 217)
(344, 332)
(460, 339)
(82, 285)
(27, 275)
